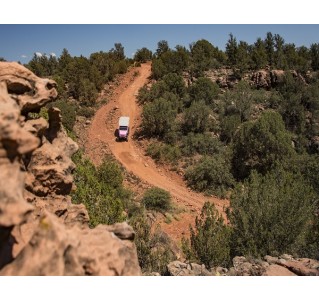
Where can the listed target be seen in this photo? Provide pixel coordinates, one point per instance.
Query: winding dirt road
(129, 154)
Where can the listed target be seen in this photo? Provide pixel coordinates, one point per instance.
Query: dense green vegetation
(79, 79)
(100, 189)
(271, 214)
(157, 199)
(142, 55)
(102, 192)
(255, 145)
(210, 239)
(153, 247)
(259, 144)
(210, 174)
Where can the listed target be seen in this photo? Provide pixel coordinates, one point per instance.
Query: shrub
(110, 173)
(211, 175)
(43, 113)
(87, 112)
(121, 66)
(153, 247)
(174, 99)
(87, 92)
(100, 190)
(142, 55)
(143, 95)
(271, 214)
(259, 144)
(308, 166)
(157, 90)
(243, 100)
(158, 118)
(157, 199)
(229, 126)
(196, 118)
(204, 90)
(136, 73)
(163, 153)
(200, 143)
(209, 242)
(175, 84)
(159, 69)
(311, 247)
(171, 88)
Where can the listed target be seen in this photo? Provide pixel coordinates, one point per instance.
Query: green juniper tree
(271, 214)
(209, 241)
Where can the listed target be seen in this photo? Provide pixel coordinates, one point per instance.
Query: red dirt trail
(132, 157)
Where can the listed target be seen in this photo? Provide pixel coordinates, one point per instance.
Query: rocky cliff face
(261, 79)
(41, 231)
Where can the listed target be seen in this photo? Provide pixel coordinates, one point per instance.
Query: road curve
(101, 132)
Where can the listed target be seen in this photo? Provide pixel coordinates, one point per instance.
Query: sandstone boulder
(300, 267)
(276, 270)
(297, 266)
(261, 79)
(28, 90)
(56, 250)
(14, 142)
(177, 268)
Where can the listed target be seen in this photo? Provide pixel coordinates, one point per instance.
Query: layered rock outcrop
(261, 79)
(41, 231)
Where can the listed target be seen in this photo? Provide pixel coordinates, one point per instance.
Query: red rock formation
(264, 78)
(41, 231)
(57, 250)
(29, 91)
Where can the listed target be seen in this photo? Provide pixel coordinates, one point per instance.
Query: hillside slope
(102, 134)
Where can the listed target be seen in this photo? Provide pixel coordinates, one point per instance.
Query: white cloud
(53, 54)
(23, 56)
(38, 54)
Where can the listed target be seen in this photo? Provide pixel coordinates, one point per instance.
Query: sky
(19, 42)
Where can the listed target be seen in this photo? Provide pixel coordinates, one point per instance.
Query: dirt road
(102, 132)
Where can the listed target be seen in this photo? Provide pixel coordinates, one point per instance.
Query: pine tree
(259, 54)
(269, 46)
(280, 60)
(232, 50)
